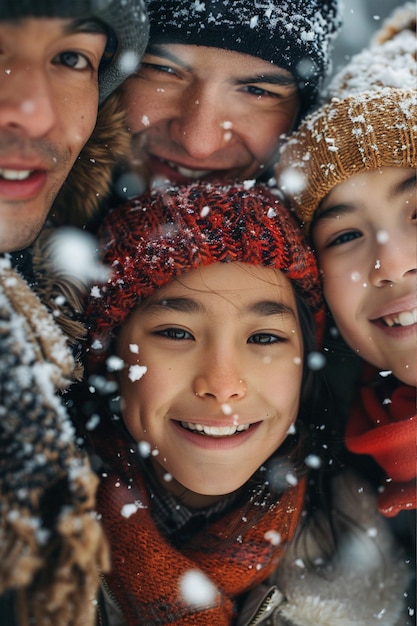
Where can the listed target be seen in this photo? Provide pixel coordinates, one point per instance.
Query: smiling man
(59, 61)
(222, 81)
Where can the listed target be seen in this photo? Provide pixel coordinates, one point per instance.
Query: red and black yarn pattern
(160, 235)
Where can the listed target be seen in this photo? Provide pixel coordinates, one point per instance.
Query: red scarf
(383, 424)
(232, 552)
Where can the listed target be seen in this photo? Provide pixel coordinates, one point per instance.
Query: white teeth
(194, 174)
(15, 174)
(215, 431)
(405, 318)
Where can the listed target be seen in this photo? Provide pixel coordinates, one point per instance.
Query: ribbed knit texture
(150, 240)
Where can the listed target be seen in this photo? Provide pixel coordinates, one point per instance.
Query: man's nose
(26, 102)
(201, 126)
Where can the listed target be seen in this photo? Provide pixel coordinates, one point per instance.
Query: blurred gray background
(361, 18)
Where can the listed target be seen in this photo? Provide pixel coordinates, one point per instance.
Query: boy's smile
(223, 350)
(366, 243)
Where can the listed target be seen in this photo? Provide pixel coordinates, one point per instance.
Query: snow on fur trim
(89, 181)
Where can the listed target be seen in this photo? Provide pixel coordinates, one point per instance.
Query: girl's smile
(223, 350)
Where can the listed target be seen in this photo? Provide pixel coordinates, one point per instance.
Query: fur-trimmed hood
(77, 205)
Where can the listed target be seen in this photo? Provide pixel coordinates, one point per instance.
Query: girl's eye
(177, 334)
(344, 238)
(73, 60)
(264, 339)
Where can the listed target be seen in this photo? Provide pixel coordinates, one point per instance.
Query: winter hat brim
(346, 138)
(149, 241)
(127, 22)
(296, 36)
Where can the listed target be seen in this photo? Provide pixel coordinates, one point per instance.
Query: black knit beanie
(126, 22)
(293, 34)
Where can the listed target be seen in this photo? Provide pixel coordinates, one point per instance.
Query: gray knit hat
(126, 21)
(293, 34)
(368, 121)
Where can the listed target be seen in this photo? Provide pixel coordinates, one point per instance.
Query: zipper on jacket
(111, 596)
(271, 601)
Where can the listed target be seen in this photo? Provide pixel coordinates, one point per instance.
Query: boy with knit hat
(221, 82)
(60, 61)
(350, 172)
(200, 412)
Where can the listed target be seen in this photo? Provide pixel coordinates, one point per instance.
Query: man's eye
(344, 238)
(73, 60)
(177, 334)
(261, 93)
(155, 67)
(265, 339)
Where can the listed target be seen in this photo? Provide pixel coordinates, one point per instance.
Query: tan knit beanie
(369, 120)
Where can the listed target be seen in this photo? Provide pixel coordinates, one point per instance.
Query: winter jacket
(51, 545)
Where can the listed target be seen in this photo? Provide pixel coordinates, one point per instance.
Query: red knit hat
(160, 235)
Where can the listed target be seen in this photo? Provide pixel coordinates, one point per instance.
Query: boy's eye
(344, 238)
(177, 334)
(71, 59)
(264, 339)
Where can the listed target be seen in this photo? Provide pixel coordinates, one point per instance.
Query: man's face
(201, 112)
(365, 238)
(48, 109)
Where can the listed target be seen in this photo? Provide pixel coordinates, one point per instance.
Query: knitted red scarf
(234, 552)
(383, 424)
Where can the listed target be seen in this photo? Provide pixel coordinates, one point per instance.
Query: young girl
(205, 326)
(357, 156)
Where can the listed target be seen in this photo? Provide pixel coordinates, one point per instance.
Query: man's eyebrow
(274, 78)
(89, 25)
(162, 52)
